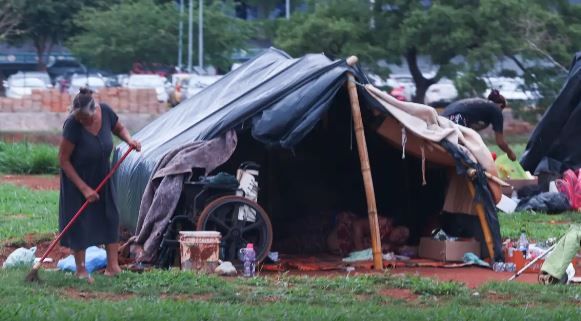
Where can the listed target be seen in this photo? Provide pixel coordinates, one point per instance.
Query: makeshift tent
(296, 107)
(552, 148)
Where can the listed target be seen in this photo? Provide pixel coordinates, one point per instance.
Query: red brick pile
(123, 100)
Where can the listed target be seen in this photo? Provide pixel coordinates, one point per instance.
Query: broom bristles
(32, 276)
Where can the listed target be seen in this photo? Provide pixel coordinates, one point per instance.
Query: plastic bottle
(498, 267)
(523, 243)
(249, 260)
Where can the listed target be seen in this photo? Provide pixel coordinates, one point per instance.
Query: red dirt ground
(32, 181)
(471, 276)
(56, 254)
(401, 294)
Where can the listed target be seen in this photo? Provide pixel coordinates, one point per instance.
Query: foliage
(338, 28)
(146, 31)
(28, 158)
(23, 211)
(47, 22)
(9, 19)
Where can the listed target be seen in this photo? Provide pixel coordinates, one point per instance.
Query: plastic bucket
(200, 250)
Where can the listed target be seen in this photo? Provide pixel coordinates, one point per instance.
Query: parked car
(62, 67)
(441, 94)
(93, 82)
(150, 82)
(405, 80)
(22, 83)
(512, 89)
(197, 83)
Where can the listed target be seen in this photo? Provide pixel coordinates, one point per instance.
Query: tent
(552, 148)
(285, 108)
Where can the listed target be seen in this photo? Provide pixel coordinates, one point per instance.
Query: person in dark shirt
(479, 113)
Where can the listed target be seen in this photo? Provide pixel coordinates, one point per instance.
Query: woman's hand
(135, 144)
(90, 195)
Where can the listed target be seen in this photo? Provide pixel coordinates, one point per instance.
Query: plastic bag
(21, 257)
(570, 185)
(95, 259)
(508, 169)
(552, 203)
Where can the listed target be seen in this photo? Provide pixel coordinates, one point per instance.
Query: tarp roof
(553, 146)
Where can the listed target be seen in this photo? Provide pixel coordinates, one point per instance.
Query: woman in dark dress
(84, 156)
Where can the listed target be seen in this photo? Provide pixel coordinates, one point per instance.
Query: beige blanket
(424, 121)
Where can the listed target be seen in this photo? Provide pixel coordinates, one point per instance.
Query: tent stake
(482, 218)
(365, 168)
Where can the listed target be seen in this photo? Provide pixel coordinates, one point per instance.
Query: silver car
(93, 82)
(21, 84)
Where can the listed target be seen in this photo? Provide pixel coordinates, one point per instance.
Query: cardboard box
(447, 250)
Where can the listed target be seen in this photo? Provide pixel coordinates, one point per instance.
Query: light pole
(181, 35)
(287, 9)
(201, 36)
(190, 35)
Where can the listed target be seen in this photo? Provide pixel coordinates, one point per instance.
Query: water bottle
(509, 267)
(249, 260)
(523, 243)
(498, 267)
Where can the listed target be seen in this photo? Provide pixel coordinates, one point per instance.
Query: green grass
(24, 211)
(538, 226)
(176, 295)
(28, 158)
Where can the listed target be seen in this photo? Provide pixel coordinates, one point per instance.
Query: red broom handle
(80, 211)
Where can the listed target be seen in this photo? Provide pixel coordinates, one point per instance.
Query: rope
(404, 140)
(424, 183)
(357, 83)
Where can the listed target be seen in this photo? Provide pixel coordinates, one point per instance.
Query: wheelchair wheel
(240, 221)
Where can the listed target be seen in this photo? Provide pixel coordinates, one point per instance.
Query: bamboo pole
(365, 168)
(483, 221)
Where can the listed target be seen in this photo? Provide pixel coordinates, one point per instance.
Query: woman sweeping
(84, 155)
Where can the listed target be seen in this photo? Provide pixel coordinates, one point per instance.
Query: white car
(92, 82)
(22, 84)
(197, 83)
(441, 93)
(150, 82)
(511, 89)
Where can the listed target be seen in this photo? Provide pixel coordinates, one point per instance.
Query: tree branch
(546, 55)
(9, 19)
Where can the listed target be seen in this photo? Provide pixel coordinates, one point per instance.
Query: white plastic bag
(21, 257)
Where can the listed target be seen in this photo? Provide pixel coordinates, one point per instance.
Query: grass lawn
(24, 211)
(175, 295)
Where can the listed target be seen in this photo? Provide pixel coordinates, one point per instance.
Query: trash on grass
(21, 257)
(226, 268)
(95, 259)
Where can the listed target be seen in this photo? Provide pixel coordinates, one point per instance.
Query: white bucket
(200, 250)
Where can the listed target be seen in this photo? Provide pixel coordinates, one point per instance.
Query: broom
(32, 276)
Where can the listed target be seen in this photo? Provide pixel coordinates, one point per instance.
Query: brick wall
(122, 100)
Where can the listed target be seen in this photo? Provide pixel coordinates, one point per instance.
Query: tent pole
(483, 222)
(365, 168)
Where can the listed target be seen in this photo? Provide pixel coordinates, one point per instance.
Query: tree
(338, 28)
(146, 31)
(9, 19)
(45, 23)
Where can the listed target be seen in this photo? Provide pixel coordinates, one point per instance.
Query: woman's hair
(496, 97)
(84, 101)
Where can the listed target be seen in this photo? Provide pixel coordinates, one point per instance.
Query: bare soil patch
(34, 182)
(85, 295)
(31, 240)
(400, 294)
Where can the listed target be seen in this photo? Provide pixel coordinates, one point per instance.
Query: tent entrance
(304, 189)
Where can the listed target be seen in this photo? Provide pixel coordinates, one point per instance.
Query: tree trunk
(422, 83)
(40, 46)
